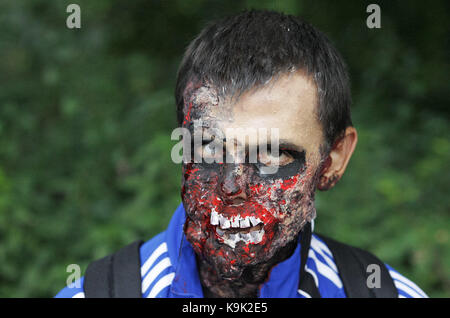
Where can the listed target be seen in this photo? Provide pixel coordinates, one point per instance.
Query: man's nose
(232, 185)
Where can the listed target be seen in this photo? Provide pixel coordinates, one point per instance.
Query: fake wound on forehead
(198, 96)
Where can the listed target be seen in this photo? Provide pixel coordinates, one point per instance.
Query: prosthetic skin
(240, 220)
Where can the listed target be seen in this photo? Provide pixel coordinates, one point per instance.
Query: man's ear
(338, 158)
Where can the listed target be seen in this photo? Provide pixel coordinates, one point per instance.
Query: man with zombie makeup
(245, 228)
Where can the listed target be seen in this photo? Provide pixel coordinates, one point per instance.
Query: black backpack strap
(352, 264)
(115, 276)
(306, 281)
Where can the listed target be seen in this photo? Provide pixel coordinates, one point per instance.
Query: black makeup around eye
(286, 171)
(296, 167)
(283, 172)
(203, 164)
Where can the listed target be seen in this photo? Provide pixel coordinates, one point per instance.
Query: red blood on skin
(187, 118)
(289, 183)
(273, 200)
(267, 200)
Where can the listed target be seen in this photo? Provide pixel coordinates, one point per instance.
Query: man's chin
(230, 273)
(234, 268)
(227, 271)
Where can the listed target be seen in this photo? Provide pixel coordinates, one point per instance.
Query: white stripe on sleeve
(318, 249)
(408, 290)
(154, 272)
(407, 282)
(313, 274)
(149, 262)
(161, 284)
(325, 270)
(303, 293)
(320, 245)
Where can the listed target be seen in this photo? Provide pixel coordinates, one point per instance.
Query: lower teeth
(253, 237)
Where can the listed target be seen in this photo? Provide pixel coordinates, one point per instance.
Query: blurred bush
(86, 117)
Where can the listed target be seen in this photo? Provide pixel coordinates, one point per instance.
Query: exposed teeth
(255, 221)
(254, 237)
(232, 240)
(245, 236)
(214, 217)
(224, 222)
(245, 223)
(234, 222)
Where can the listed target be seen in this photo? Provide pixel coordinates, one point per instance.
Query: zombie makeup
(294, 161)
(269, 214)
(238, 216)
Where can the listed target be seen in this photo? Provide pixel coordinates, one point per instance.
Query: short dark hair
(244, 51)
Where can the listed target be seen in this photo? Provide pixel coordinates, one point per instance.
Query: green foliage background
(86, 117)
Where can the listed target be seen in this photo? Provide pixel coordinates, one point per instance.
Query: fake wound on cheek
(252, 222)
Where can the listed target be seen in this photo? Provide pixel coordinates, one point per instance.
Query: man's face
(238, 215)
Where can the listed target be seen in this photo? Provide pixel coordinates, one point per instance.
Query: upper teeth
(233, 222)
(245, 222)
(224, 223)
(214, 217)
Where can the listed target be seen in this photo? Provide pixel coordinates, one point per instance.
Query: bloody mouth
(234, 234)
(246, 230)
(246, 225)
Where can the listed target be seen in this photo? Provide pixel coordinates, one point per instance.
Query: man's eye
(210, 150)
(270, 160)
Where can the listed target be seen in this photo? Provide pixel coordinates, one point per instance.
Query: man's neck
(248, 285)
